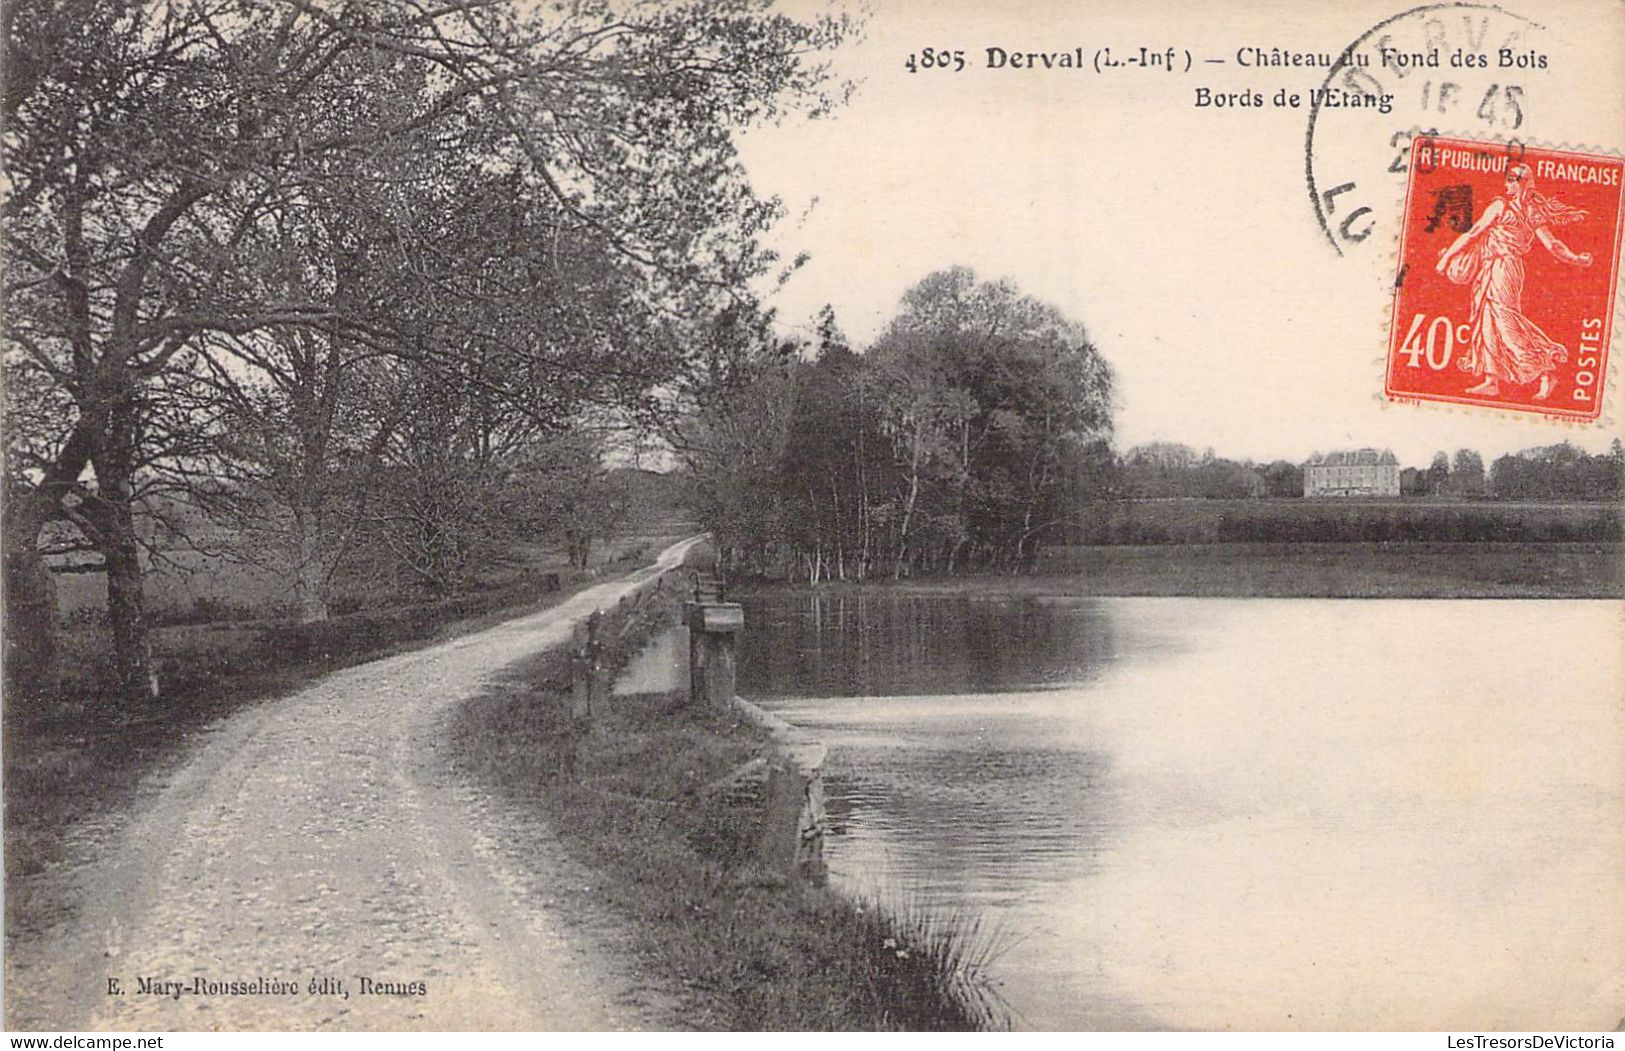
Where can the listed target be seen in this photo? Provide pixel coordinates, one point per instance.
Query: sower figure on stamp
(1506, 345)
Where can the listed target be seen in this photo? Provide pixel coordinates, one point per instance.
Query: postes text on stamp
(1507, 269)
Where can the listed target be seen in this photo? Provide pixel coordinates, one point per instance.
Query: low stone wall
(606, 639)
(788, 781)
(793, 820)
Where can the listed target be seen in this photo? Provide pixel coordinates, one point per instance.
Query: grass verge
(742, 948)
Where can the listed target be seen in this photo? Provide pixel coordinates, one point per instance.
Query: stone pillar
(713, 633)
(781, 817)
(793, 819)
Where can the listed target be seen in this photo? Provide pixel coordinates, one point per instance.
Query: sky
(1183, 237)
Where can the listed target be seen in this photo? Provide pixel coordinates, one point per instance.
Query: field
(198, 582)
(1182, 521)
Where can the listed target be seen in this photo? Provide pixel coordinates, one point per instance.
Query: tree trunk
(30, 603)
(310, 576)
(133, 671)
(578, 549)
(908, 506)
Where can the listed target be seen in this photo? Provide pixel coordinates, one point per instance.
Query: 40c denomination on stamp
(1508, 269)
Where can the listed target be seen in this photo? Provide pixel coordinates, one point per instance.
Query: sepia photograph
(625, 516)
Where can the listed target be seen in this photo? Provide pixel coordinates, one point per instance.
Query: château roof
(1353, 458)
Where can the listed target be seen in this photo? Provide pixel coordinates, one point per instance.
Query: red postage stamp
(1508, 261)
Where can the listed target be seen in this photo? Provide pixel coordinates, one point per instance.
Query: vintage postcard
(808, 515)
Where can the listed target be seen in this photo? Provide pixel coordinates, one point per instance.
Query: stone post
(793, 820)
(781, 816)
(713, 633)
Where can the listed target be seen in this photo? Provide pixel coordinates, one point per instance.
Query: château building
(1360, 472)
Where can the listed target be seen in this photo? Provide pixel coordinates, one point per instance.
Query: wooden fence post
(588, 686)
(597, 674)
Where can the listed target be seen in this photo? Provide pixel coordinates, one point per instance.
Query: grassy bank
(740, 948)
(1260, 570)
(75, 755)
(1410, 520)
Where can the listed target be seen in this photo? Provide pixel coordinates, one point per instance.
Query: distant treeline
(1160, 470)
(975, 432)
(1559, 472)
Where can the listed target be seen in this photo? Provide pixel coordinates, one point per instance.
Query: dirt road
(317, 837)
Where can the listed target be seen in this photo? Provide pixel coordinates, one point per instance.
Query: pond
(1248, 813)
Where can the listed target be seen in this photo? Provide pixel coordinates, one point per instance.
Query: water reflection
(877, 643)
(1244, 813)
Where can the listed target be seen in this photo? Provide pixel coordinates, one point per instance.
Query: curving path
(318, 836)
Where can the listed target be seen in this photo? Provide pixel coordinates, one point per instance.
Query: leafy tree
(1438, 474)
(831, 480)
(1162, 456)
(1163, 470)
(1283, 479)
(962, 437)
(524, 313)
(983, 388)
(1507, 479)
(1467, 473)
(564, 488)
(730, 428)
